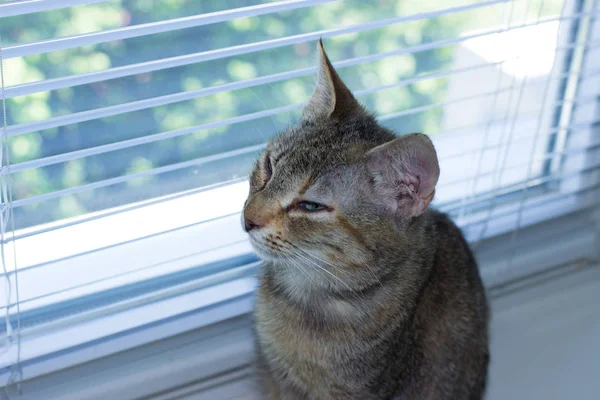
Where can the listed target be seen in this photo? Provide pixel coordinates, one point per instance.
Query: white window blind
(129, 128)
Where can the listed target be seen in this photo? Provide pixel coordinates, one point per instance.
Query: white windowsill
(557, 314)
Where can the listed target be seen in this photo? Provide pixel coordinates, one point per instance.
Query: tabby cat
(365, 292)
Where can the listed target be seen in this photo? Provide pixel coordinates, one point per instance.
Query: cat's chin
(262, 251)
(263, 255)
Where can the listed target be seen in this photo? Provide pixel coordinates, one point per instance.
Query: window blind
(129, 128)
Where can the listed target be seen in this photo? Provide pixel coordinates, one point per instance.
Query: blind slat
(525, 185)
(535, 180)
(22, 7)
(137, 175)
(152, 28)
(575, 128)
(218, 89)
(478, 219)
(51, 160)
(181, 165)
(95, 216)
(531, 196)
(151, 66)
(178, 61)
(94, 301)
(21, 129)
(531, 202)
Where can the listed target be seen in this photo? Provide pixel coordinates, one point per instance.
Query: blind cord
(6, 216)
(523, 193)
(503, 156)
(469, 195)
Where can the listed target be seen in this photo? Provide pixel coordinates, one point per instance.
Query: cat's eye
(310, 206)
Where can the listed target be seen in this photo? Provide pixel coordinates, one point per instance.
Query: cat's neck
(328, 302)
(308, 282)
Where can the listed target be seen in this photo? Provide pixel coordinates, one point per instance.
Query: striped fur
(376, 296)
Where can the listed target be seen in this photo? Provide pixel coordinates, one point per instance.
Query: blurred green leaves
(201, 110)
(198, 111)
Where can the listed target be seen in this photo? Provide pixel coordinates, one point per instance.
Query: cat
(365, 292)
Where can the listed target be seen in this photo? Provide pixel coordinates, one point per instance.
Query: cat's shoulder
(442, 222)
(449, 237)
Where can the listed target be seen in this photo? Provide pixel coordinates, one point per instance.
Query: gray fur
(376, 297)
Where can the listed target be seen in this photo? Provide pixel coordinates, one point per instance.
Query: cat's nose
(249, 225)
(254, 215)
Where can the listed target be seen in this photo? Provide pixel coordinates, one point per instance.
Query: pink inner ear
(405, 171)
(428, 174)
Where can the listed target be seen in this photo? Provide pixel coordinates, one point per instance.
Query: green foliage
(200, 110)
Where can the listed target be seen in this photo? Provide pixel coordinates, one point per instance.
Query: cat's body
(365, 293)
(417, 338)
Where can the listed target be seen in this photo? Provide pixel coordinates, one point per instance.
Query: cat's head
(337, 188)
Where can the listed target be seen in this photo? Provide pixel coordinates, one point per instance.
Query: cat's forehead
(303, 150)
(321, 144)
(312, 153)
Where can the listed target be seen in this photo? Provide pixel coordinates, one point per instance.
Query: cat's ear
(405, 171)
(331, 98)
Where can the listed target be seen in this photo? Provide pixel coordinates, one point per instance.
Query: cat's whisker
(312, 255)
(339, 269)
(315, 257)
(293, 263)
(305, 259)
(373, 273)
(319, 259)
(325, 262)
(314, 262)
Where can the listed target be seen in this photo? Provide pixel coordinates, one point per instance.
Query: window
(130, 127)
